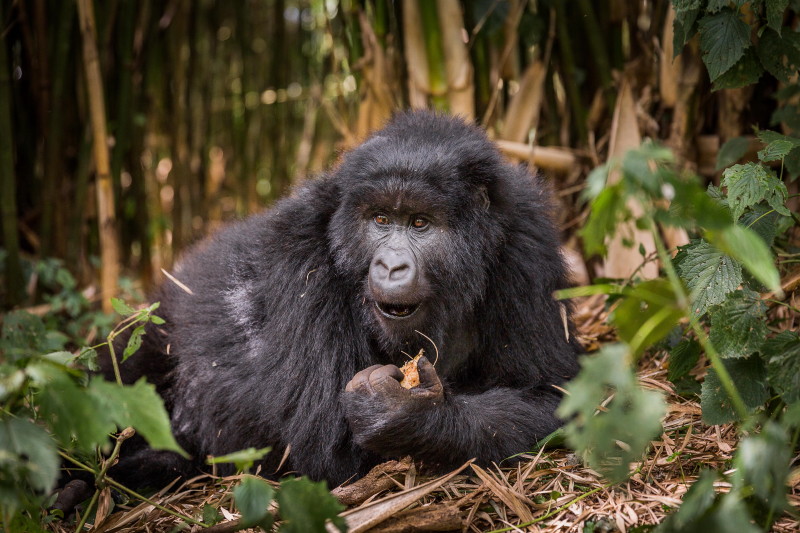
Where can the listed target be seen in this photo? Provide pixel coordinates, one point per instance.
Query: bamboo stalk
(549, 157)
(460, 87)
(15, 283)
(437, 76)
(599, 51)
(416, 60)
(568, 66)
(109, 241)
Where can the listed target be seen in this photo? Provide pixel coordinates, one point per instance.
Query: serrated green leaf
(683, 358)
(632, 418)
(243, 459)
(134, 342)
(746, 247)
(730, 152)
(306, 505)
(647, 314)
(752, 183)
(775, 150)
(780, 53)
(30, 451)
(787, 115)
(738, 325)
(723, 40)
(211, 515)
(782, 355)
(71, 412)
(750, 379)
(121, 307)
(764, 220)
(252, 497)
(744, 72)
(709, 274)
(775, 10)
(684, 26)
(137, 405)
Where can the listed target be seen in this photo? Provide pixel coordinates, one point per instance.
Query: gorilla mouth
(396, 311)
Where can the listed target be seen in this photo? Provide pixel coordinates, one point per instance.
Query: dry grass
(552, 488)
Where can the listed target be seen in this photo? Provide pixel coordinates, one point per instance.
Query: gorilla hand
(378, 408)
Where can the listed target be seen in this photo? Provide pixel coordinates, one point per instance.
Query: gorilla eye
(381, 220)
(420, 223)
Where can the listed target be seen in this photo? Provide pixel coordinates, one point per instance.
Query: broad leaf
(134, 342)
(746, 247)
(775, 10)
(647, 314)
(696, 503)
(612, 439)
(306, 505)
(762, 466)
(607, 210)
(27, 453)
(730, 152)
(121, 307)
(723, 40)
(782, 355)
(745, 72)
(780, 53)
(738, 325)
(765, 221)
(682, 358)
(137, 405)
(709, 274)
(253, 496)
(749, 378)
(752, 183)
(685, 26)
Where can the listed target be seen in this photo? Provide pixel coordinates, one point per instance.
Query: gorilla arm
(440, 427)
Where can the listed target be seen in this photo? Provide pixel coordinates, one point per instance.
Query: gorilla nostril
(399, 272)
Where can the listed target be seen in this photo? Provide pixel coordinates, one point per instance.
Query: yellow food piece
(410, 372)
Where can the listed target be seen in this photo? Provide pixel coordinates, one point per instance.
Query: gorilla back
(422, 237)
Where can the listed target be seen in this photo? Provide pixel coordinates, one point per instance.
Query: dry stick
(109, 243)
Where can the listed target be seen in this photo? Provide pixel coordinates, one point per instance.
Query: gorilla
(292, 323)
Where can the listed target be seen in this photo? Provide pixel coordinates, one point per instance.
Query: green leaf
(723, 40)
(683, 358)
(765, 221)
(776, 150)
(749, 378)
(134, 342)
(752, 183)
(610, 440)
(732, 151)
(137, 405)
(746, 247)
(211, 515)
(745, 72)
(121, 307)
(607, 210)
(685, 26)
(253, 496)
(782, 355)
(243, 459)
(306, 505)
(762, 466)
(780, 53)
(738, 325)
(709, 274)
(29, 452)
(647, 314)
(775, 10)
(70, 410)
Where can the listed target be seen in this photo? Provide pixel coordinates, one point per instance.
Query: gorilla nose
(393, 271)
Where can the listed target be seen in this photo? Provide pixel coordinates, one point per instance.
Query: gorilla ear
(483, 197)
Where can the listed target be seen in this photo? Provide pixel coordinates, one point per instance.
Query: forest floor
(547, 491)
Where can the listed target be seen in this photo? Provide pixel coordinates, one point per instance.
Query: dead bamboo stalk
(109, 241)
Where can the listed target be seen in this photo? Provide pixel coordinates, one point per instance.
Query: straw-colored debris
(551, 487)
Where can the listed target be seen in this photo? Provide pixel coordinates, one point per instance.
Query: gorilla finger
(387, 377)
(361, 379)
(428, 378)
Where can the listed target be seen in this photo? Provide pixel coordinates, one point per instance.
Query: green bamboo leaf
(723, 40)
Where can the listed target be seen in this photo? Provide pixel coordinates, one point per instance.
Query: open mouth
(396, 311)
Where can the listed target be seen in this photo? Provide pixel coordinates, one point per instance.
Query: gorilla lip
(396, 311)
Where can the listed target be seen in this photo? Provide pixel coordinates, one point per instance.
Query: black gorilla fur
(422, 228)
